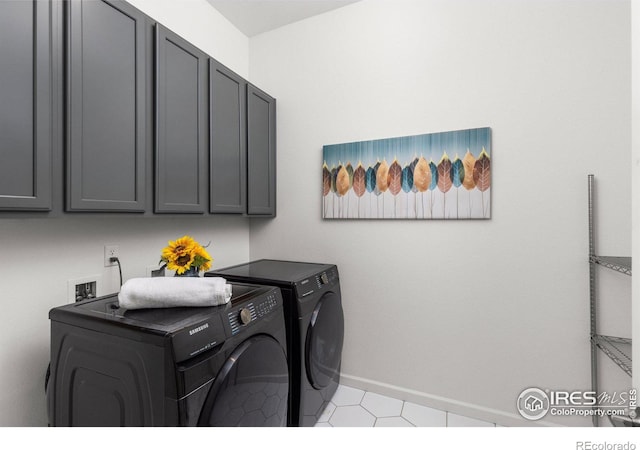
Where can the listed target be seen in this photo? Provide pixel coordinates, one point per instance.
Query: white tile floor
(352, 407)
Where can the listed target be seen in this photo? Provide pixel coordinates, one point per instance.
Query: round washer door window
(251, 388)
(324, 341)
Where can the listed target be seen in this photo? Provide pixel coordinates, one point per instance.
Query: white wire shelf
(616, 348)
(620, 264)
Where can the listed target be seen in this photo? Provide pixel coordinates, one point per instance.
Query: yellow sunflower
(185, 253)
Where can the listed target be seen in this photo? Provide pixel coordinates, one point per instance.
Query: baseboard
(500, 418)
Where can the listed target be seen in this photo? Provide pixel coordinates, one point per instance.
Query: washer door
(324, 341)
(251, 388)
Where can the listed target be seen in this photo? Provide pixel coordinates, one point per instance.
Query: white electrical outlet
(110, 251)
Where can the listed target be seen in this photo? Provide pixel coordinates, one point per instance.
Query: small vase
(191, 272)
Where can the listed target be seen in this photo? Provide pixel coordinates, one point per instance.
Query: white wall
(39, 255)
(202, 25)
(461, 315)
(635, 176)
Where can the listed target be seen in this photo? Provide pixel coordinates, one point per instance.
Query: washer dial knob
(245, 316)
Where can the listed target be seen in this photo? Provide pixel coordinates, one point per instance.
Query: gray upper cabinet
(25, 106)
(106, 136)
(228, 141)
(104, 110)
(181, 125)
(261, 152)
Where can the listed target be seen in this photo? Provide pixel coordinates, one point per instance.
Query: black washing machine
(315, 328)
(213, 366)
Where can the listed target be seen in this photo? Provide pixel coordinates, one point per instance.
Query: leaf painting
(420, 177)
(395, 178)
(444, 174)
(359, 184)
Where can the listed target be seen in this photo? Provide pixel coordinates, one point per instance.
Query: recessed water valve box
(86, 290)
(84, 287)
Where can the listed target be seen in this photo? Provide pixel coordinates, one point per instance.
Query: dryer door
(251, 388)
(324, 341)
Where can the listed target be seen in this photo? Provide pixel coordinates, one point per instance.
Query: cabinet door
(228, 141)
(261, 152)
(25, 106)
(181, 125)
(105, 106)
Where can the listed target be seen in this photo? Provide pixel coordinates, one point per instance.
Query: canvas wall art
(430, 176)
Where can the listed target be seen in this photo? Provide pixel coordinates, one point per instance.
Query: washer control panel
(249, 312)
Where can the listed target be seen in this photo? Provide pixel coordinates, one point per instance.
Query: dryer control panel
(319, 282)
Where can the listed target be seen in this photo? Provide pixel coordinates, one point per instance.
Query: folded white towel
(169, 292)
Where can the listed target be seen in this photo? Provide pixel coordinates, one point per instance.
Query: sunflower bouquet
(185, 255)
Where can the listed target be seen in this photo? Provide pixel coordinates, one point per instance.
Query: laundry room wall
(40, 255)
(635, 170)
(463, 315)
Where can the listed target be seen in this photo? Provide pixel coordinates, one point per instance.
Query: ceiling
(253, 17)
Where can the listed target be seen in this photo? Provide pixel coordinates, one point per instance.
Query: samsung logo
(198, 329)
